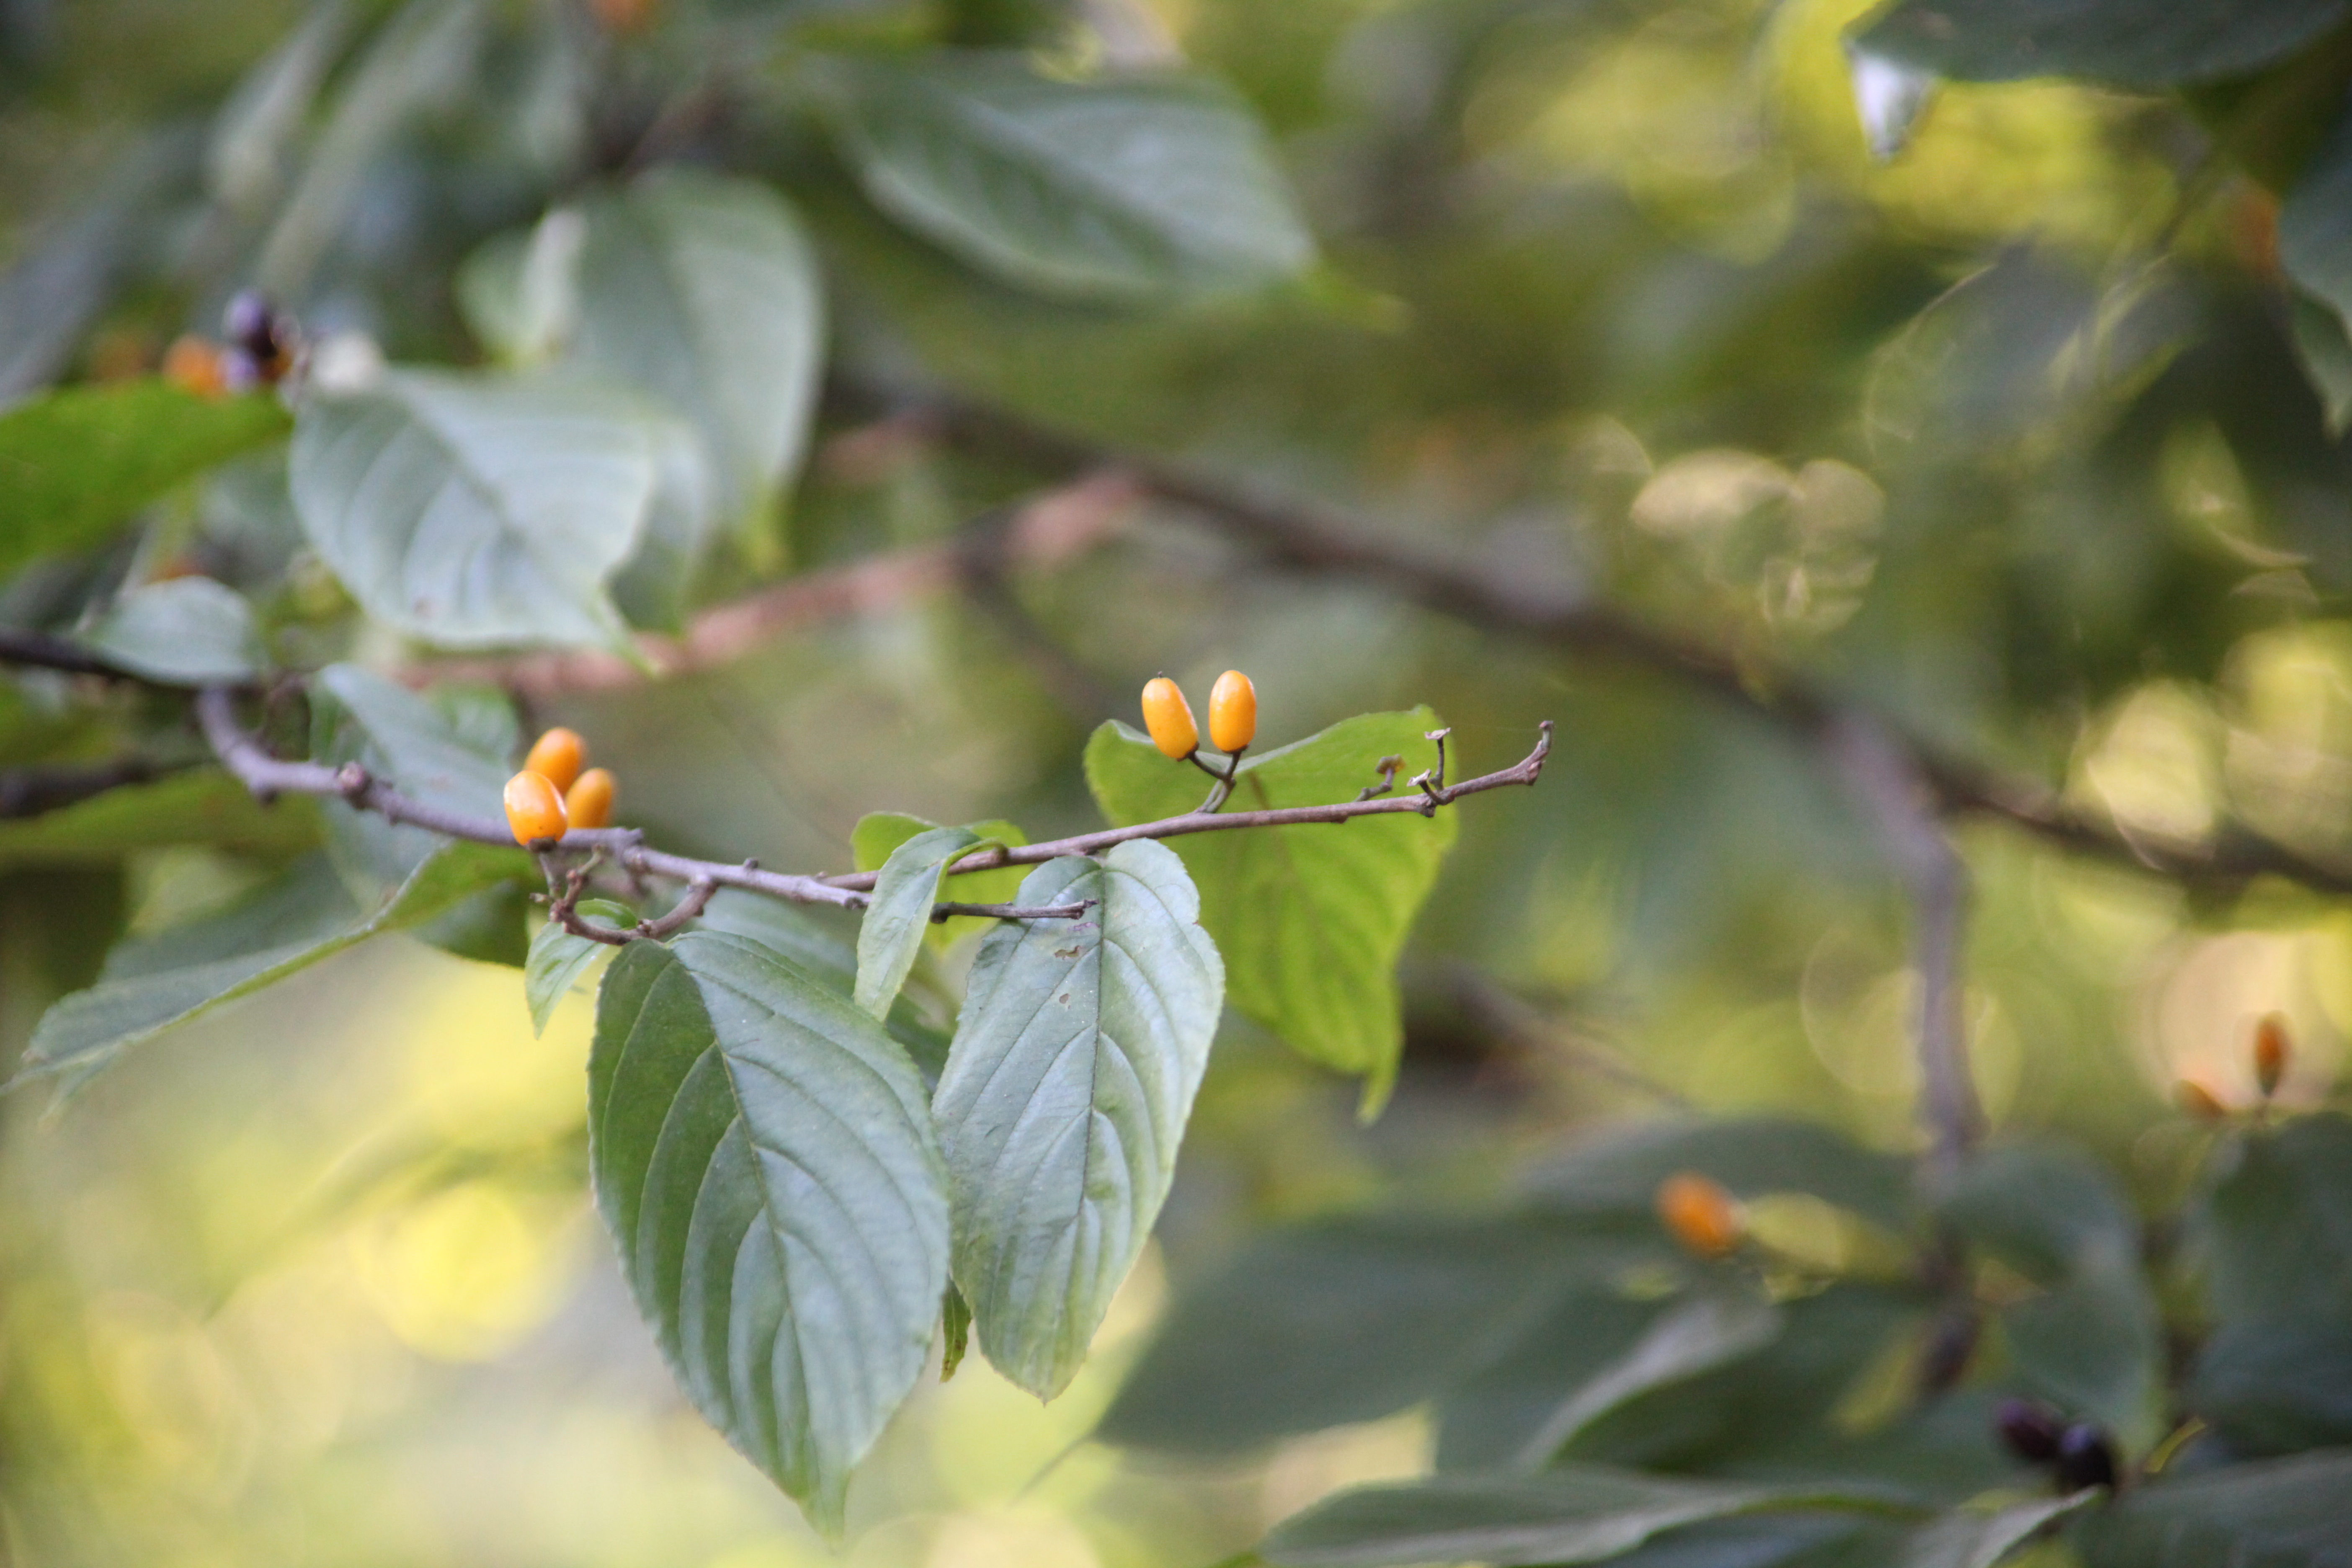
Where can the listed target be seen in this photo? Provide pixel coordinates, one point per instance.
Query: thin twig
(1524, 772)
(38, 650)
(1886, 783)
(267, 777)
(46, 788)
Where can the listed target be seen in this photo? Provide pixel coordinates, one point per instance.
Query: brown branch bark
(269, 776)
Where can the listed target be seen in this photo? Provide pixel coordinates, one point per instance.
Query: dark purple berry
(2085, 1460)
(250, 324)
(2031, 1431)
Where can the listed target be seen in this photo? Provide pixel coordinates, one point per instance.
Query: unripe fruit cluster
(1233, 716)
(552, 795)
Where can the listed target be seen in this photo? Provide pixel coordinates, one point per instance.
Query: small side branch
(1524, 772)
(267, 777)
(1901, 801)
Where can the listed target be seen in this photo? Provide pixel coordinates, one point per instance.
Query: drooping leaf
(2275, 1223)
(188, 631)
(1751, 1155)
(1967, 1539)
(448, 748)
(703, 293)
(878, 833)
(891, 934)
(2277, 1385)
(1581, 1513)
(474, 512)
(2138, 43)
(558, 958)
(2324, 345)
(1310, 918)
(826, 950)
(75, 463)
(1348, 1319)
(420, 59)
(1123, 189)
(955, 1331)
(201, 806)
(2277, 1513)
(1712, 1328)
(765, 1165)
(294, 922)
(1065, 1098)
(2092, 1342)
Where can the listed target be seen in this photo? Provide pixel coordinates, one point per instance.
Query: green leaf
(878, 833)
(1621, 1170)
(1968, 1538)
(2138, 43)
(1123, 189)
(2093, 1342)
(1712, 1328)
(703, 293)
(449, 749)
(188, 631)
(1065, 1096)
(891, 934)
(1311, 918)
(2275, 1513)
(201, 806)
(1582, 1513)
(557, 959)
(2275, 1222)
(2325, 346)
(150, 983)
(1350, 1319)
(474, 512)
(2277, 1385)
(77, 462)
(764, 1163)
(815, 944)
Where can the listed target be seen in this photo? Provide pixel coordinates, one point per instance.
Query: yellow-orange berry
(1233, 712)
(1700, 1214)
(1170, 719)
(534, 809)
(557, 756)
(2274, 1048)
(623, 15)
(589, 801)
(2198, 1100)
(194, 365)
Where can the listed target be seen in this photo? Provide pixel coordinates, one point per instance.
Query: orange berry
(589, 801)
(1233, 712)
(194, 365)
(1170, 719)
(1700, 1214)
(557, 756)
(2198, 1100)
(534, 809)
(623, 15)
(2274, 1048)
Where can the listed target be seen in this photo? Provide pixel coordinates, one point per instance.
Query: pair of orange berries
(1233, 716)
(552, 794)
(2272, 1049)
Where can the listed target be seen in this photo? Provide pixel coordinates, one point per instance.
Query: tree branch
(1310, 537)
(38, 650)
(269, 776)
(33, 791)
(1524, 772)
(1887, 784)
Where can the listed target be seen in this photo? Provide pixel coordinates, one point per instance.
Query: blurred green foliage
(2026, 437)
